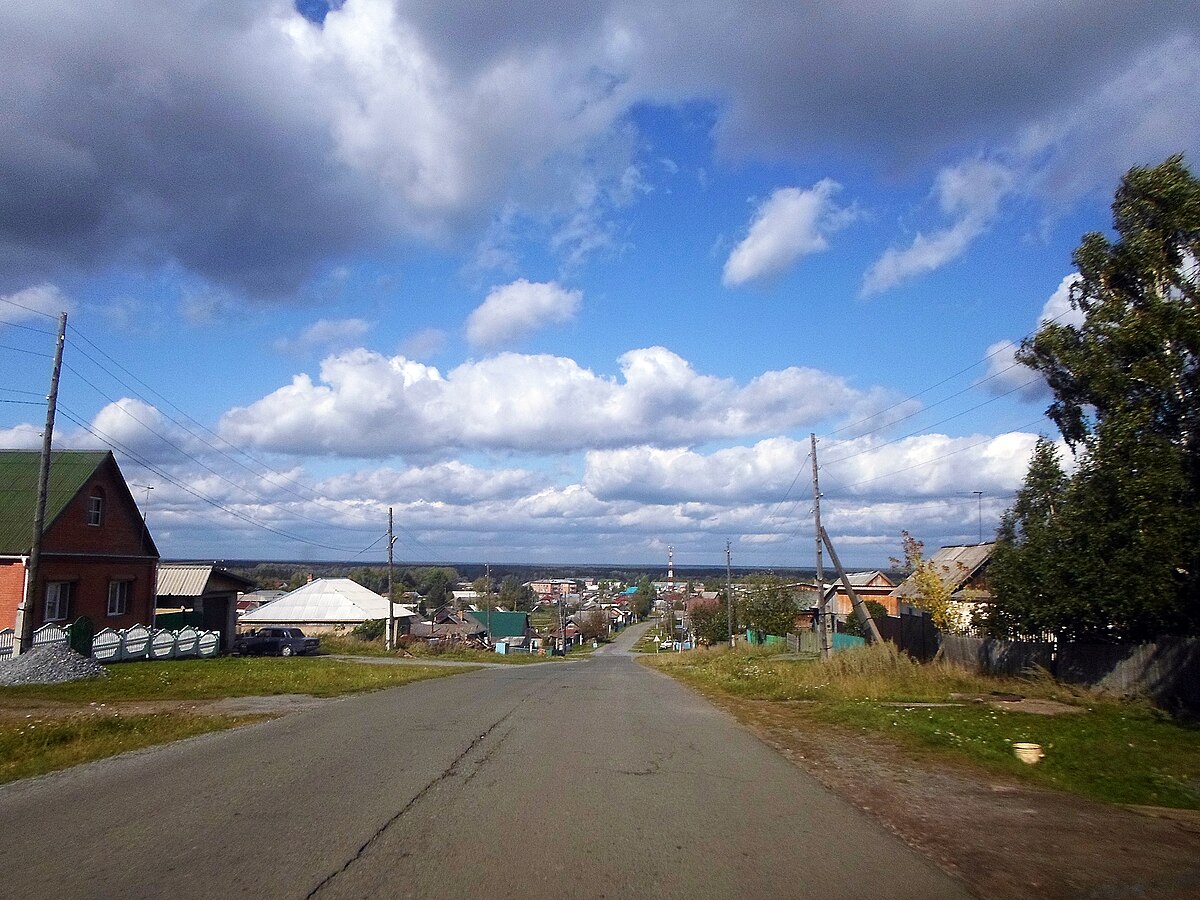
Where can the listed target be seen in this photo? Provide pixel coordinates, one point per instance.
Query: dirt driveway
(1002, 838)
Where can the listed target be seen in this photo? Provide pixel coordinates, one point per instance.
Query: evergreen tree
(1126, 385)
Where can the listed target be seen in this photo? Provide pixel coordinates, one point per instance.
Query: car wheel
(286, 650)
(239, 648)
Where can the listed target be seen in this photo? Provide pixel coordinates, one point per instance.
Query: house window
(95, 510)
(118, 597)
(58, 600)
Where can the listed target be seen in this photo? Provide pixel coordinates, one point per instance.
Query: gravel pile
(54, 664)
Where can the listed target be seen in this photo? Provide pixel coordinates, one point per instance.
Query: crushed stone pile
(54, 664)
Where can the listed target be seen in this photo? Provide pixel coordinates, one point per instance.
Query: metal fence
(138, 642)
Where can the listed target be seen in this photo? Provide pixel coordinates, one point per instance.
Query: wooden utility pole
(860, 608)
(729, 594)
(391, 622)
(823, 638)
(25, 615)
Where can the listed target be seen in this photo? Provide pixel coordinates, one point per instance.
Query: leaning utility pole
(823, 638)
(25, 617)
(860, 608)
(729, 595)
(391, 622)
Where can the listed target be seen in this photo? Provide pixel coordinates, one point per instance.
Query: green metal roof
(502, 625)
(69, 471)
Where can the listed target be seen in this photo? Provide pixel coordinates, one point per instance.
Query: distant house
(511, 627)
(324, 605)
(962, 568)
(255, 599)
(203, 595)
(97, 557)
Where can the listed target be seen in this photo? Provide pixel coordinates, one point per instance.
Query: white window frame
(119, 594)
(95, 511)
(58, 600)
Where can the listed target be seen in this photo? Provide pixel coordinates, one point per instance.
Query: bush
(370, 630)
(852, 626)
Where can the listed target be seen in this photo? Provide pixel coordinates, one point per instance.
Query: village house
(97, 557)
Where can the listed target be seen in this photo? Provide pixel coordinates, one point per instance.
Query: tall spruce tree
(1126, 385)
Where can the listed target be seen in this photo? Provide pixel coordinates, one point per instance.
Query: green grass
(1111, 751)
(40, 742)
(36, 745)
(233, 676)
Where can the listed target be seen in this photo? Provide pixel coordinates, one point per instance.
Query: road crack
(449, 772)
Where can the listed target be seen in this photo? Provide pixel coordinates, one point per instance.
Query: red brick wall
(121, 531)
(12, 585)
(90, 577)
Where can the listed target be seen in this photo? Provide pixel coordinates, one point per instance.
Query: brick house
(97, 560)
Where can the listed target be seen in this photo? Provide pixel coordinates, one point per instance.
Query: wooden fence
(1167, 670)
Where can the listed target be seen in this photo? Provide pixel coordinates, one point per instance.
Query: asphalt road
(598, 778)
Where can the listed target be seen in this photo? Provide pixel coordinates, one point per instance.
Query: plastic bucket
(1028, 753)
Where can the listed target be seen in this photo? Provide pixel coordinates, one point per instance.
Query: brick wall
(12, 585)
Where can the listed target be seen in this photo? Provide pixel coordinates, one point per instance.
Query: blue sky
(563, 282)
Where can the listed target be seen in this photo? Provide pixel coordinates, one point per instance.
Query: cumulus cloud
(423, 344)
(366, 404)
(35, 302)
(971, 192)
(517, 310)
(1058, 307)
(324, 335)
(1004, 374)
(789, 224)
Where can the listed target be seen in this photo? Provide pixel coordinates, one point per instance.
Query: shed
(200, 594)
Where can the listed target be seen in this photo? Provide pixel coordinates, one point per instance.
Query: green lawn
(1110, 751)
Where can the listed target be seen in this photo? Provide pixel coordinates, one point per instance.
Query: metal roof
(69, 471)
(326, 600)
(954, 565)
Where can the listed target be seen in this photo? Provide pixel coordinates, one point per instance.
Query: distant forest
(271, 574)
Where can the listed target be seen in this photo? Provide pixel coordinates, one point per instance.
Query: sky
(562, 282)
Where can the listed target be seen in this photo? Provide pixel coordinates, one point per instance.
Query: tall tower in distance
(670, 568)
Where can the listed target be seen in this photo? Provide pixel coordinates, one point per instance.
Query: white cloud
(972, 192)
(1004, 374)
(366, 404)
(424, 343)
(1058, 307)
(791, 223)
(35, 302)
(324, 335)
(517, 310)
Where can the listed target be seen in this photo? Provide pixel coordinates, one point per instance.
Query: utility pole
(25, 617)
(823, 638)
(391, 622)
(729, 595)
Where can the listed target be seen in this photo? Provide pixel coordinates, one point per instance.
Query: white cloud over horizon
(368, 405)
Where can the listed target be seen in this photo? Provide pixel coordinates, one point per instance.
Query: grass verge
(76, 730)
(38, 745)
(231, 676)
(1103, 749)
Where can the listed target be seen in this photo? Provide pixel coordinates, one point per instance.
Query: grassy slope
(1111, 751)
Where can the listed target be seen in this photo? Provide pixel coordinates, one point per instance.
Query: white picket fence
(138, 642)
